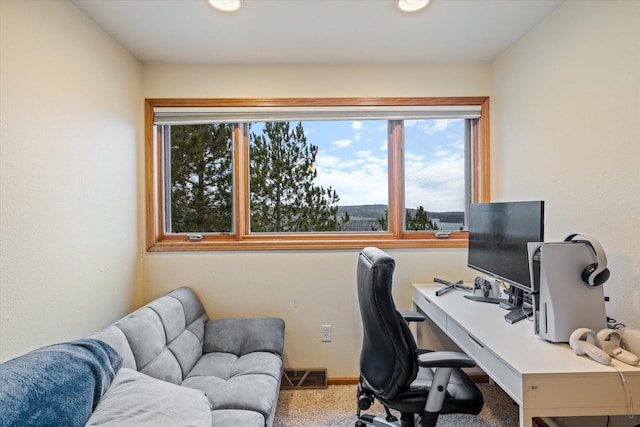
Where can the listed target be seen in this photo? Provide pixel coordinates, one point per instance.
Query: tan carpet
(336, 406)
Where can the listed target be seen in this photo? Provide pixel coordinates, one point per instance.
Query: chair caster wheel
(360, 424)
(364, 402)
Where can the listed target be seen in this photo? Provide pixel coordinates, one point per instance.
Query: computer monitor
(498, 237)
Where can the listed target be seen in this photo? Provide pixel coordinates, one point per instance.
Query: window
(313, 173)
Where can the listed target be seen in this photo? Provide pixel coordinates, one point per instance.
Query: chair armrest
(412, 316)
(445, 359)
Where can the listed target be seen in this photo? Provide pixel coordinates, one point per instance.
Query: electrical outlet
(326, 333)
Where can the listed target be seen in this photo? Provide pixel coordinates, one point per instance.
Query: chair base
(428, 419)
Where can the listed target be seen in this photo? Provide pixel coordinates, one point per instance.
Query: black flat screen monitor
(498, 237)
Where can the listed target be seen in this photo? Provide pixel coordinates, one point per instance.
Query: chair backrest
(388, 356)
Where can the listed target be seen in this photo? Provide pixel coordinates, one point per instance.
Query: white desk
(544, 379)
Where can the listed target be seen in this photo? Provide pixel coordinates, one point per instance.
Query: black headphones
(597, 273)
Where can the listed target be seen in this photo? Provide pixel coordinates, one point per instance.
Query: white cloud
(356, 187)
(362, 180)
(357, 126)
(342, 143)
(324, 160)
(457, 145)
(413, 158)
(437, 185)
(430, 127)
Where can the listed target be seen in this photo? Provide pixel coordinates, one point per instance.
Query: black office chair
(420, 384)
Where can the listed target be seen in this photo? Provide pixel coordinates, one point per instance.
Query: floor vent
(304, 378)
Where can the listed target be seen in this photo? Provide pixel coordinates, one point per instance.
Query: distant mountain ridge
(377, 210)
(363, 211)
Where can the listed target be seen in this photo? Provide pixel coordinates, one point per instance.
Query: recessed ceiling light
(225, 5)
(412, 5)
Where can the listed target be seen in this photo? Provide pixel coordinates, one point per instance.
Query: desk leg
(526, 418)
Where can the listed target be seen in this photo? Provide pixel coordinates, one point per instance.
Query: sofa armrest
(242, 336)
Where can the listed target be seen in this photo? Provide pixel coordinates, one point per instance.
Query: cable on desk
(528, 296)
(613, 323)
(629, 397)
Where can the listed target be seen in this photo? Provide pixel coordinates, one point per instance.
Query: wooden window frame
(395, 237)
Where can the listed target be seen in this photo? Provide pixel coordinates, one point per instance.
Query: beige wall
(566, 129)
(70, 109)
(258, 81)
(320, 283)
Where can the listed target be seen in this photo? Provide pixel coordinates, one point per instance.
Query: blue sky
(352, 158)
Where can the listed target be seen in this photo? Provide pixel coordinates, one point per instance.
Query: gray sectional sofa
(177, 367)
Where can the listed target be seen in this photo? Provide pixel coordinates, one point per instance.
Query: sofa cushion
(164, 337)
(183, 322)
(173, 322)
(243, 336)
(146, 335)
(248, 382)
(236, 418)
(117, 339)
(227, 366)
(138, 399)
(56, 385)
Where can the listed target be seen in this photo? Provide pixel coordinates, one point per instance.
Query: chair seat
(463, 396)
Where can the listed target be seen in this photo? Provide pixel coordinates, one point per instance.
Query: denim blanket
(58, 385)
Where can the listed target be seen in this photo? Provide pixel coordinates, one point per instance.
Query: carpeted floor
(336, 406)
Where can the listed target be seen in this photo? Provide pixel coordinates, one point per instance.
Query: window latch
(442, 234)
(194, 237)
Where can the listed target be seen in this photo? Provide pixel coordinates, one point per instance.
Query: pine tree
(283, 195)
(420, 221)
(201, 178)
(383, 222)
(344, 221)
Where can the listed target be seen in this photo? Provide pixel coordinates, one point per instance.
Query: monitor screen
(498, 237)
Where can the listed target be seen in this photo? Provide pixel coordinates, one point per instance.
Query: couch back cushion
(164, 338)
(116, 339)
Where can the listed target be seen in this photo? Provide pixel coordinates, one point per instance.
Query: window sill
(455, 240)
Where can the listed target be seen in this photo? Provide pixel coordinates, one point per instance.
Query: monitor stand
(448, 286)
(517, 310)
(518, 314)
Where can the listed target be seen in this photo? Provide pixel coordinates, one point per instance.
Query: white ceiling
(316, 31)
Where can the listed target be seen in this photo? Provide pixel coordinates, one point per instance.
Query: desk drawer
(492, 365)
(430, 309)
